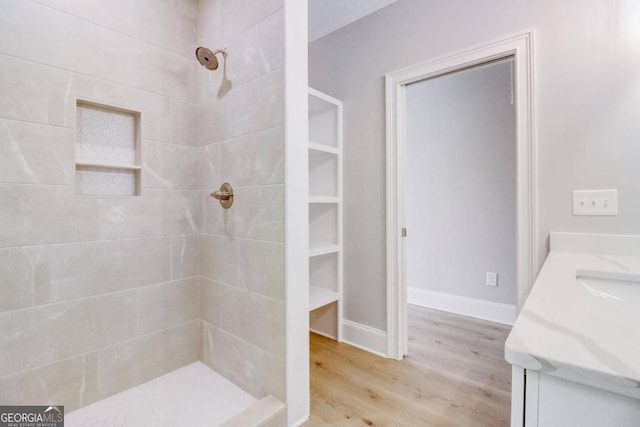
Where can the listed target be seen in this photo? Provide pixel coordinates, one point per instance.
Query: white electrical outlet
(595, 202)
(492, 279)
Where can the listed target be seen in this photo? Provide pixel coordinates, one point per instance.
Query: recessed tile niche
(108, 150)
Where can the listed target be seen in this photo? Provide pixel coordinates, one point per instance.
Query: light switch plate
(595, 202)
(492, 279)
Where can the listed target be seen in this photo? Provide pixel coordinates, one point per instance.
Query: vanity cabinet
(547, 401)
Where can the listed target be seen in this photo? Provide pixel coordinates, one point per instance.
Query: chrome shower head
(208, 58)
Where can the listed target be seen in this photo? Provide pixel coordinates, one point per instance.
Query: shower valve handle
(224, 195)
(221, 195)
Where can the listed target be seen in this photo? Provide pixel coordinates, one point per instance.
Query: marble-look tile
(254, 370)
(170, 166)
(170, 24)
(211, 293)
(35, 214)
(256, 52)
(22, 271)
(240, 15)
(26, 29)
(125, 217)
(185, 257)
(79, 270)
(66, 87)
(241, 112)
(35, 153)
(183, 122)
(24, 88)
(72, 382)
(119, 15)
(136, 361)
(257, 213)
(257, 266)
(38, 336)
(181, 210)
(255, 159)
(256, 319)
(168, 304)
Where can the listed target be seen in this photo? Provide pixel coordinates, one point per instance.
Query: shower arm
(222, 51)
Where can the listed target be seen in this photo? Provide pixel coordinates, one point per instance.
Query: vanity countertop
(581, 320)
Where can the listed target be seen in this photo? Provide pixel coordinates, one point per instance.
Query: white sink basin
(610, 284)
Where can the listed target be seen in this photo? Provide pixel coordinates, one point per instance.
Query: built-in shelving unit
(325, 214)
(108, 150)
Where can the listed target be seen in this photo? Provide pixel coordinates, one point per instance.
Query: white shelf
(324, 199)
(323, 148)
(107, 165)
(323, 250)
(319, 297)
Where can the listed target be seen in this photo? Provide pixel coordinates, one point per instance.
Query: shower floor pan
(193, 395)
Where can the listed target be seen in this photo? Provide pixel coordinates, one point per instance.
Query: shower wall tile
(257, 213)
(139, 360)
(257, 266)
(24, 86)
(170, 166)
(168, 304)
(211, 301)
(73, 381)
(185, 256)
(183, 122)
(78, 270)
(66, 87)
(239, 15)
(252, 54)
(169, 24)
(35, 214)
(84, 47)
(254, 159)
(254, 370)
(118, 15)
(34, 153)
(257, 319)
(242, 111)
(38, 336)
(181, 210)
(22, 270)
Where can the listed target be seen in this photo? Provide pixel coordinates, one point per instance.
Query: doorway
(517, 49)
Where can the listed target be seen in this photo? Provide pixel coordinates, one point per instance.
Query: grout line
(97, 349)
(113, 30)
(252, 133)
(242, 288)
(102, 79)
(34, 122)
(244, 341)
(95, 296)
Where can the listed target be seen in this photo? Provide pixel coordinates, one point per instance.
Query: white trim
(364, 337)
(517, 396)
(296, 210)
(520, 46)
(478, 308)
(323, 334)
(299, 422)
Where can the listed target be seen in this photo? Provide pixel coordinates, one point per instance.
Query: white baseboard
(481, 309)
(364, 337)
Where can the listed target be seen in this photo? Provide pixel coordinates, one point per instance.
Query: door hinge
(404, 231)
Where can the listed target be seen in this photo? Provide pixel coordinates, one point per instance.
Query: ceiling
(326, 16)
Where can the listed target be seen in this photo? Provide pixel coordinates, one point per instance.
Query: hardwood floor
(455, 375)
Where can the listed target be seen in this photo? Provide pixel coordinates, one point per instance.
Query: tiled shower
(116, 266)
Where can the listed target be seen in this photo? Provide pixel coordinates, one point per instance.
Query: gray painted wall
(461, 183)
(587, 95)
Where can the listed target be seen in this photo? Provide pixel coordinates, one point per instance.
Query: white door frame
(520, 46)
